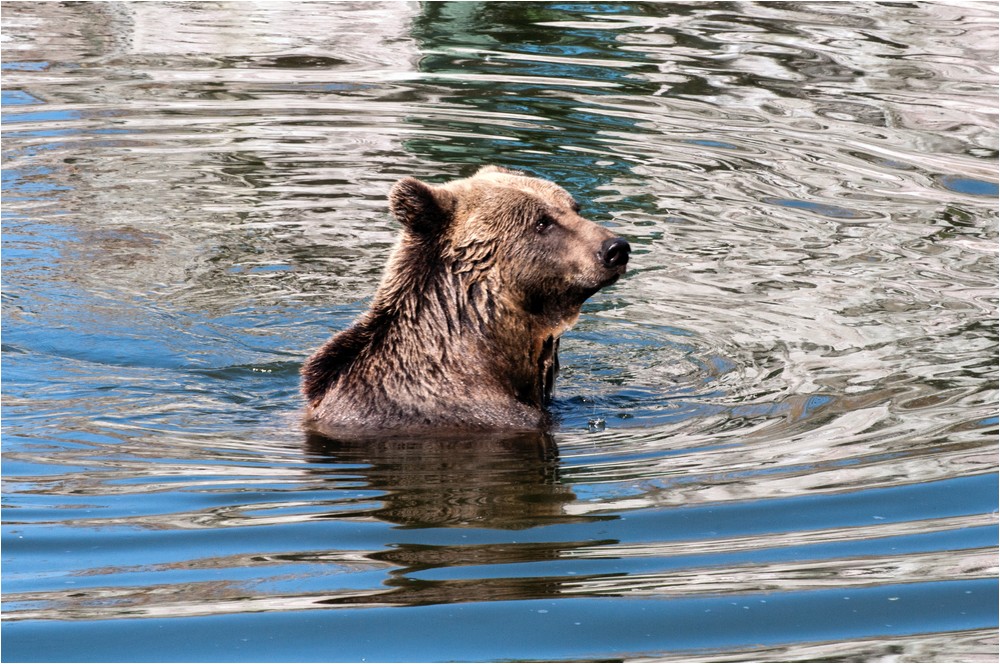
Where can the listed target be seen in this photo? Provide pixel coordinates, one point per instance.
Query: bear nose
(614, 252)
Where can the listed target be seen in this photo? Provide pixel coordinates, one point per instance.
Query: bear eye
(543, 223)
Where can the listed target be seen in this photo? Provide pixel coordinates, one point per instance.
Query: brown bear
(464, 329)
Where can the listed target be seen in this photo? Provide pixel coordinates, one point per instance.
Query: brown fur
(464, 329)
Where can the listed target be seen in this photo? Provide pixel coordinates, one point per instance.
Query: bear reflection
(486, 480)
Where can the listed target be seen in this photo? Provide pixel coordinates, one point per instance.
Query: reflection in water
(485, 481)
(523, 101)
(797, 382)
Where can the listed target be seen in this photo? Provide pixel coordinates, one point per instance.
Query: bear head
(520, 239)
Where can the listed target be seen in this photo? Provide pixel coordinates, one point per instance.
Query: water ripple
(777, 435)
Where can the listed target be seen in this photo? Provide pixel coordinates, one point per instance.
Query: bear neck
(458, 330)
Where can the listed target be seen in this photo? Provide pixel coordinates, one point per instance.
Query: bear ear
(499, 169)
(422, 208)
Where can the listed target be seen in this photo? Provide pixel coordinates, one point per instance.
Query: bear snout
(614, 252)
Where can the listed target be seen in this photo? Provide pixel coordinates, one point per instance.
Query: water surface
(778, 434)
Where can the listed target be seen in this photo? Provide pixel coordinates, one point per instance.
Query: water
(778, 433)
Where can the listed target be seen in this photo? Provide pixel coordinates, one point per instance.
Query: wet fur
(464, 329)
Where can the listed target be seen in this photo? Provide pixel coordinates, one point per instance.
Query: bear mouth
(613, 275)
(609, 278)
(609, 281)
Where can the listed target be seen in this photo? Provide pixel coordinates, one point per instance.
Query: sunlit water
(778, 433)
